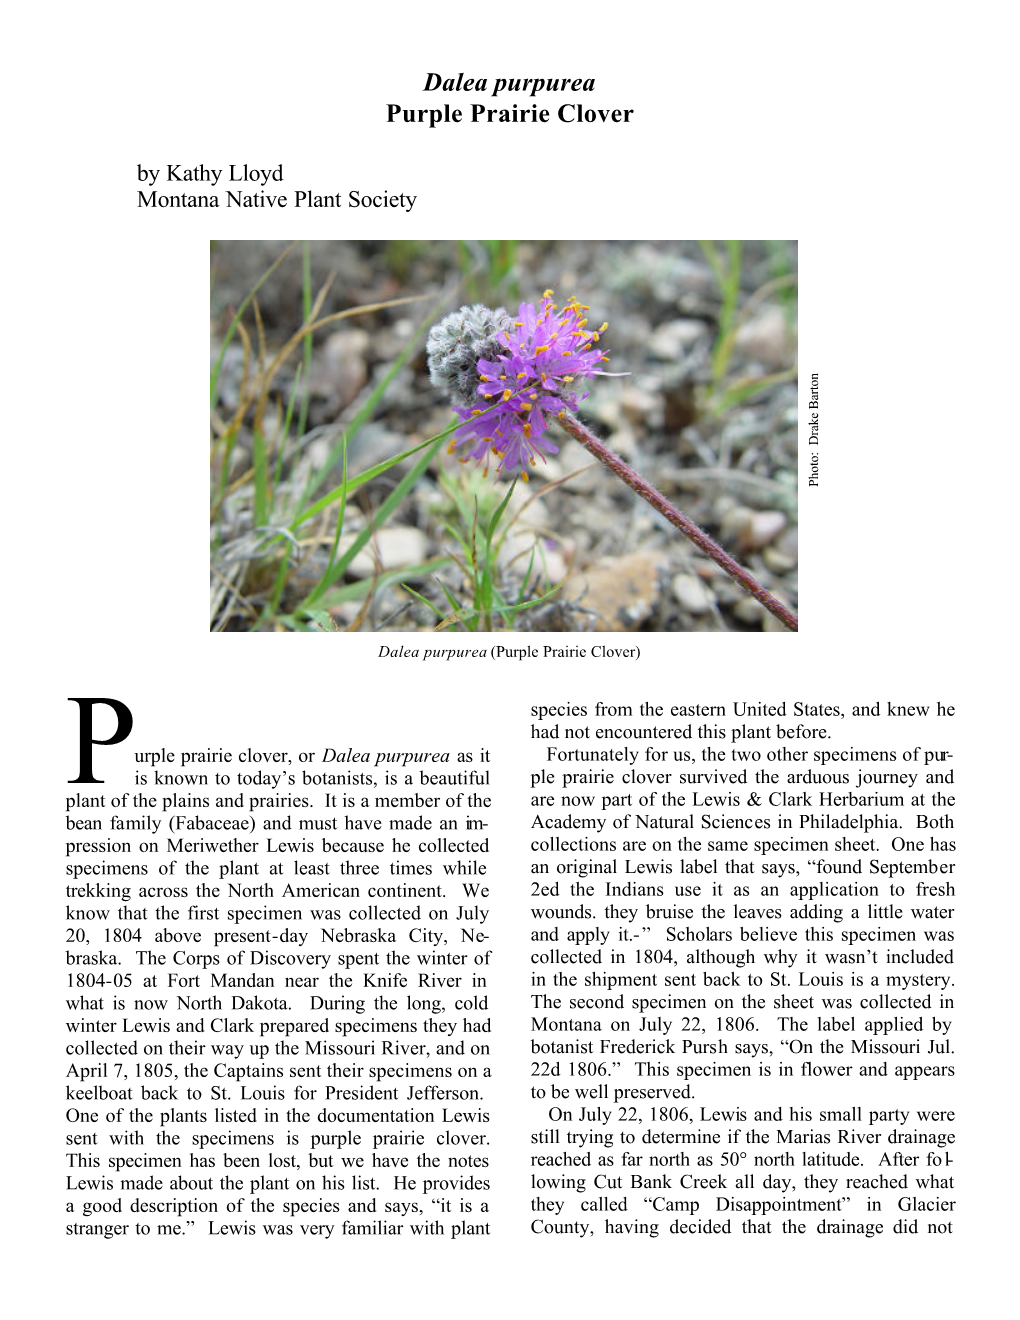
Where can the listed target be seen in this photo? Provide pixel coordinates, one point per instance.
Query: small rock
(396, 547)
(766, 339)
(339, 370)
(776, 561)
(691, 593)
(373, 444)
(671, 340)
(735, 523)
(749, 610)
(523, 546)
(605, 408)
(620, 593)
(550, 565)
(639, 405)
(760, 528)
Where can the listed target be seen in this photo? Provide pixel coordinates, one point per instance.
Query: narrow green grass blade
(357, 590)
(452, 600)
(528, 604)
(379, 518)
(730, 296)
(339, 523)
(370, 474)
(423, 600)
(455, 620)
(362, 479)
(285, 433)
(275, 596)
(714, 260)
(306, 308)
(321, 621)
(457, 535)
(260, 479)
(493, 521)
(742, 390)
(372, 402)
(527, 577)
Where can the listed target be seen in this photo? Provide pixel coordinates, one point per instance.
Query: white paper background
(881, 150)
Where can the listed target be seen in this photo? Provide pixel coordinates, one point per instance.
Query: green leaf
(365, 412)
(377, 520)
(747, 388)
(261, 503)
(322, 621)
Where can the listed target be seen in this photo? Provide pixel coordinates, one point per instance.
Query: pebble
(734, 523)
(765, 338)
(671, 340)
(373, 444)
(760, 528)
(397, 547)
(523, 546)
(776, 560)
(620, 593)
(604, 408)
(752, 611)
(639, 405)
(691, 593)
(339, 370)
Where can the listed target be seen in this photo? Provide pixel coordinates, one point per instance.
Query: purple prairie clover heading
(506, 375)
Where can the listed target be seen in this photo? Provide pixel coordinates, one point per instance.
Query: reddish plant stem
(691, 530)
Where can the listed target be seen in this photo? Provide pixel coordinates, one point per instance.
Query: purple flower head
(524, 373)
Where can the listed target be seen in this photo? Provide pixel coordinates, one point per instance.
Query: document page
(511, 802)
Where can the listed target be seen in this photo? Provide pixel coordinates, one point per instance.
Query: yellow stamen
(452, 446)
(506, 395)
(542, 348)
(524, 476)
(548, 293)
(603, 327)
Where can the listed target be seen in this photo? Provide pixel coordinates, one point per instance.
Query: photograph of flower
(431, 436)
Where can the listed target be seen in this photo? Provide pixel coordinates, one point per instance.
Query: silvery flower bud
(456, 344)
